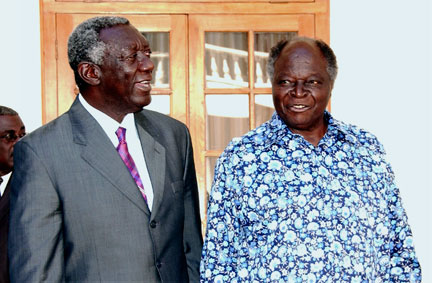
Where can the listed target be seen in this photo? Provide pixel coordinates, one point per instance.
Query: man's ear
(89, 72)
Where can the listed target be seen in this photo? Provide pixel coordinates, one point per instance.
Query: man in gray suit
(107, 191)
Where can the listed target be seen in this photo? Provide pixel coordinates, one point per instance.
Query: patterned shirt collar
(336, 130)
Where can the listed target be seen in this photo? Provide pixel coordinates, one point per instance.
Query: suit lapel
(99, 152)
(154, 154)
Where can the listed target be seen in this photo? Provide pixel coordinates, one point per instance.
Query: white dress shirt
(110, 126)
(4, 183)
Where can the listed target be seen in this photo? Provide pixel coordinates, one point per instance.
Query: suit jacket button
(158, 264)
(153, 224)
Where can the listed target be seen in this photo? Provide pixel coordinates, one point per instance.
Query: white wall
(384, 85)
(20, 63)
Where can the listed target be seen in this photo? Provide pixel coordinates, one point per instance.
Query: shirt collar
(335, 130)
(5, 182)
(108, 124)
(340, 130)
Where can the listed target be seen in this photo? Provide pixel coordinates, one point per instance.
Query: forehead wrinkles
(302, 57)
(124, 48)
(123, 38)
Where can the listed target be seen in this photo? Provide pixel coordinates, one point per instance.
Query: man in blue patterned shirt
(304, 197)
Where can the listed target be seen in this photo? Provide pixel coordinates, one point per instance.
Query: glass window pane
(264, 108)
(210, 166)
(264, 41)
(159, 45)
(160, 103)
(226, 59)
(227, 116)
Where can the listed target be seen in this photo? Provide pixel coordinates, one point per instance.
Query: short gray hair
(84, 44)
(327, 52)
(6, 111)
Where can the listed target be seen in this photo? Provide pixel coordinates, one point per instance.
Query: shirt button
(153, 224)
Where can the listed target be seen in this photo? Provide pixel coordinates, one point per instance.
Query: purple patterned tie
(128, 161)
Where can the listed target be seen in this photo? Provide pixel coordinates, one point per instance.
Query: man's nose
(146, 64)
(298, 89)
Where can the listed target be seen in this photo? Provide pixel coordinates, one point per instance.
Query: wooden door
(230, 92)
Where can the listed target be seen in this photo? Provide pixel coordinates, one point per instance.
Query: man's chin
(146, 101)
(141, 101)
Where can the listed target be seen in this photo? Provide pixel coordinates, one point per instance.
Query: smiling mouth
(298, 107)
(144, 84)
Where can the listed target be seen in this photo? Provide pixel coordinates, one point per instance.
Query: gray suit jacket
(77, 215)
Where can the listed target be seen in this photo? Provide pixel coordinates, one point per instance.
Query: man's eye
(131, 57)
(8, 136)
(285, 82)
(313, 82)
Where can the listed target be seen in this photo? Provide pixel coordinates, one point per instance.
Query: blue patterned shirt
(283, 210)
